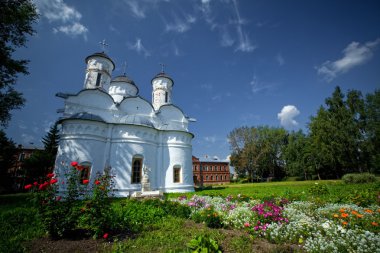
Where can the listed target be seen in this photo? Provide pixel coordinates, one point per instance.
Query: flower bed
(315, 228)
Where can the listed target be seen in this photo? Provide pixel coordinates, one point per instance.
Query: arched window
(216, 178)
(177, 174)
(136, 170)
(98, 78)
(84, 171)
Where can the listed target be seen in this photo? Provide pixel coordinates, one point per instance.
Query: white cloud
(280, 60)
(72, 30)
(226, 40)
(257, 86)
(179, 25)
(287, 115)
(207, 86)
(353, 55)
(210, 139)
(217, 98)
(58, 11)
(139, 47)
(136, 9)
(244, 43)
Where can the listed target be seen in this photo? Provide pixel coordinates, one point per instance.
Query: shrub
(203, 243)
(318, 189)
(359, 178)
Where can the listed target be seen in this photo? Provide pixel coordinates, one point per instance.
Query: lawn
(153, 227)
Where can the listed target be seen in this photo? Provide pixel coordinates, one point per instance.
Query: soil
(84, 245)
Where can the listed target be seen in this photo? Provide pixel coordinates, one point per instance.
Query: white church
(107, 125)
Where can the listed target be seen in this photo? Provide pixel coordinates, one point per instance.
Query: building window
(211, 178)
(206, 178)
(216, 178)
(21, 157)
(177, 174)
(84, 171)
(166, 97)
(99, 76)
(136, 170)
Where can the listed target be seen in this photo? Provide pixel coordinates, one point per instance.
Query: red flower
(50, 175)
(105, 236)
(35, 183)
(85, 181)
(53, 181)
(58, 198)
(74, 164)
(28, 186)
(43, 186)
(97, 182)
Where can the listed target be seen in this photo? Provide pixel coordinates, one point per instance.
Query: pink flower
(35, 183)
(74, 164)
(50, 175)
(58, 198)
(53, 181)
(97, 182)
(86, 181)
(28, 186)
(105, 236)
(246, 224)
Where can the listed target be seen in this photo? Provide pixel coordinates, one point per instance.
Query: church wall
(129, 141)
(82, 141)
(177, 152)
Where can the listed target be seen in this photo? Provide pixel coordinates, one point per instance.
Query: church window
(98, 80)
(84, 171)
(166, 96)
(177, 174)
(136, 170)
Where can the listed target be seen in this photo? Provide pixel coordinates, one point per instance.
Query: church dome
(163, 75)
(100, 54)
(122, 86)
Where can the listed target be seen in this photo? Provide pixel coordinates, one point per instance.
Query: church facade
(107, 125)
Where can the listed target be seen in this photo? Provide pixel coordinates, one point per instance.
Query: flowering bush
(314, 227)
(60, 214)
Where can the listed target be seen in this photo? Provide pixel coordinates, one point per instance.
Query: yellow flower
(336, 215)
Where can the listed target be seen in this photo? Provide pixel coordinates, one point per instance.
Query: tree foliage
(343, 137)
(16, 23)
(41, 162)
(7, 153)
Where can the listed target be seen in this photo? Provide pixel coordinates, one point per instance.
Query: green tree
(42, 162)
(257, 151)
(16, 22)
(372, 130)
(7, 153)
(336, 135)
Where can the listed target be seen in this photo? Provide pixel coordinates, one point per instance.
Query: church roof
(124, 79)
(85, 115)
(163, 74)
(101, 54)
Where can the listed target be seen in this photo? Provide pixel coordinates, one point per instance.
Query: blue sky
(234, 63)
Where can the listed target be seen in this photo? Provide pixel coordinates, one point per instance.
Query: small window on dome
(98, 80)
(166, 97)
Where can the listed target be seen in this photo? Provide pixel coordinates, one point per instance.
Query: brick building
(210, 171)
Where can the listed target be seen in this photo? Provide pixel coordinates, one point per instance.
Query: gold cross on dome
(162, 67)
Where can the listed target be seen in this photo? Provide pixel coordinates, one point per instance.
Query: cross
(124, 67)
(104, 44)
(162, 68)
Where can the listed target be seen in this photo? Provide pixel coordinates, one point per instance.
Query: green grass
(337, 191)
(19, 222)
(161, 231)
